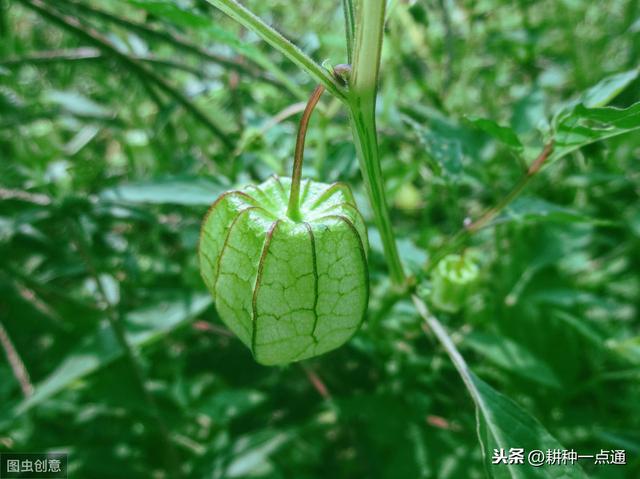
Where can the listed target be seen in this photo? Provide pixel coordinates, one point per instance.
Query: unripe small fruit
(453, 279)
(289, 289)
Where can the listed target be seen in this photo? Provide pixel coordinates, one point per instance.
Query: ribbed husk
(289, 290)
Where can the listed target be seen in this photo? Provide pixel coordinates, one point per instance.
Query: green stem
(293, 210)
(249, 20)
(362, 98)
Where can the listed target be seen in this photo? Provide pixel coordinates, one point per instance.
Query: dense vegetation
(122, 120)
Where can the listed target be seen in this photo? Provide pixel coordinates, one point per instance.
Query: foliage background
(116, 135)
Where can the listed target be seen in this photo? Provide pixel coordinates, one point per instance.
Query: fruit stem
(293, 210)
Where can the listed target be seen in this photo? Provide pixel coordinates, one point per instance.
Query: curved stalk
(293, 210)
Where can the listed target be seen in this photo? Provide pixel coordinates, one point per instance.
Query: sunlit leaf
(178, 191)
(606, 90)
(224, 406)
(251, 454)
(78, 104)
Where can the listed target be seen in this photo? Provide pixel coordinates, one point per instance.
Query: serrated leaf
(503, 134)
(142, 328)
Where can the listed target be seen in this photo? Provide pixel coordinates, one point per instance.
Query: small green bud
(453, 279)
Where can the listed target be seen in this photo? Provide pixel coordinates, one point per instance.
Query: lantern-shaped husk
(288, 289)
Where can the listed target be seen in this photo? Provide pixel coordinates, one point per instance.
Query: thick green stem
(293, 210)
(362, 106)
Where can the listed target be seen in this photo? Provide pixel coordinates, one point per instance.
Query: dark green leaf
(169, 10)
(504, 425)
(503, 134)
(513, 357)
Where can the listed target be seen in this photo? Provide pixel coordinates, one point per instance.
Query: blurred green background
(122, 120)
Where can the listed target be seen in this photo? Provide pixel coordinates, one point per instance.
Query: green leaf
(583, 126)
(513, 357)
(226, 405)
(530, 209)
(444, 151)
(178, 191)
(143, 327)
(504, 425)
(169, 10)
(81, 139)
(77, 104)
(607, 89)
(254, 54)
(581, 327)
(413, 257)
(628, 348)
(251, 453)
(503, 134)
